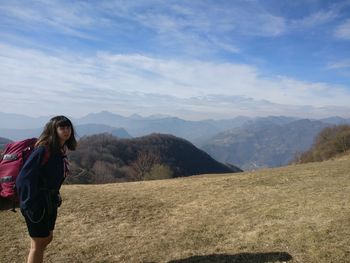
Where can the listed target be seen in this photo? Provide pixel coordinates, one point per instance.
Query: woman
(40, 180)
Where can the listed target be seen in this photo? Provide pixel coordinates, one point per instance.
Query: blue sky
(193, 59)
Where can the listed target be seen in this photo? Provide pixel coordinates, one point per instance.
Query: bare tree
(144, 163)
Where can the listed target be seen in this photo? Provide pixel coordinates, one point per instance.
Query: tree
(144, 164)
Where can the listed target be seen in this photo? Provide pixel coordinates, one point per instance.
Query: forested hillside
(104, 158)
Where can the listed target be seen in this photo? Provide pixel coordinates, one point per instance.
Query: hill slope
(3, 142)
(104, 158)
(329, 143)
(263, 143)
(300, 212)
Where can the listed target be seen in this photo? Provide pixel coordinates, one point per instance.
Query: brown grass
(299, 211)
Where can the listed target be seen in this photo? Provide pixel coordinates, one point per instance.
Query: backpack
(12, 160)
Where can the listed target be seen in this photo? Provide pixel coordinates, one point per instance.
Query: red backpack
(12, 160)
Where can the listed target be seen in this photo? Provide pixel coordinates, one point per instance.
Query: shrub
(330, 142)
(159, 171)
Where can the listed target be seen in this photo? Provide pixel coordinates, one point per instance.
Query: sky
(195, 59)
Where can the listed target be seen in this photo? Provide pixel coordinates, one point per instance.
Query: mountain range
(16, 126)
(264, 143)
(250, 143)
(80, 130)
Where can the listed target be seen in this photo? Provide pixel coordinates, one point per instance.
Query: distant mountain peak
(104, 113)
(136, 116)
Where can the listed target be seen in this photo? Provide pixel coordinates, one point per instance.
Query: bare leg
(37, 248)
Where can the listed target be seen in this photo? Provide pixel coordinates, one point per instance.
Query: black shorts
(40, 220)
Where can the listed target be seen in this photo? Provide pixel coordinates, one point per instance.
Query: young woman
(40, 180)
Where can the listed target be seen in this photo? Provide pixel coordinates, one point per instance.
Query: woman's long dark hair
(49, 136)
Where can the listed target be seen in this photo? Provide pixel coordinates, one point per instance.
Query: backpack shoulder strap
(47, 155)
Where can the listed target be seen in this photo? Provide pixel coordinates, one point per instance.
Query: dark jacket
(35, 177)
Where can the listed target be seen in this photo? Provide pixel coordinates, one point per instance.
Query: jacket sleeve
(28, 181)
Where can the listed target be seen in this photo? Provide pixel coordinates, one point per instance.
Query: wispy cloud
(341, 67)
(339, 64)
(180, 56)
(47, 15)
(126, 83)
(315, 19)
(343, 30)
(175, 25)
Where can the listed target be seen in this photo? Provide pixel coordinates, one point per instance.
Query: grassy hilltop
(298, 213)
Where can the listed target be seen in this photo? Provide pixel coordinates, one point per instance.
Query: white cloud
(341, 67)
(316, 19)
(226, 46)
(268, 25)
(35, 82)
(191, 28)
(49, 15)
(340, 64)
(343, 30)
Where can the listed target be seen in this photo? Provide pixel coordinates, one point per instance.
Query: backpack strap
(45, 160)
(47, 155)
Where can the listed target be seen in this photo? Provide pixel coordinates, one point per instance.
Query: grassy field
(292, 214)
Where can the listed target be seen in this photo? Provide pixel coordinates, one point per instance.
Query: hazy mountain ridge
(264, 144)
(3, 142)
(81, 130)
(135, 125)
(250, 142)
(141, 126)
(91, 129)
(19, 121)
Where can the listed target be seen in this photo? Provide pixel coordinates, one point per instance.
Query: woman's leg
(37, 248)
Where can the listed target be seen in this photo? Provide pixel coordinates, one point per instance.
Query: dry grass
(302, 211)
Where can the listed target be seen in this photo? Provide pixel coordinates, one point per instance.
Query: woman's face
(64, 133)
